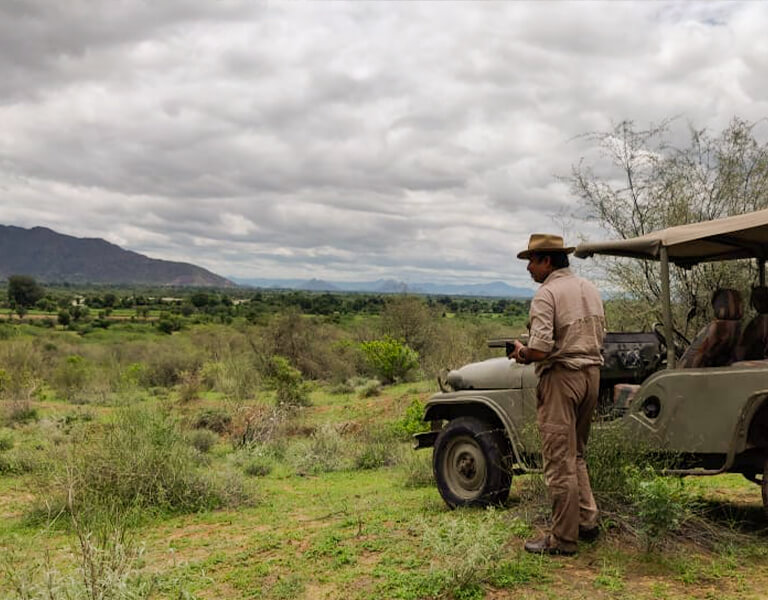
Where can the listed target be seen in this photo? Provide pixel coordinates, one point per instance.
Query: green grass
(356, 533)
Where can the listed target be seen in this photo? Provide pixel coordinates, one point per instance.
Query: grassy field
(369, 534)
(322, 500)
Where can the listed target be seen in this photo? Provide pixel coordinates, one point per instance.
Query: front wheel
(469, 463)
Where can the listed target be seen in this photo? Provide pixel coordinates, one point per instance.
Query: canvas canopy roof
(740, 236)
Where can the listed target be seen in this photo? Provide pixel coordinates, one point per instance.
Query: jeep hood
(491, 374)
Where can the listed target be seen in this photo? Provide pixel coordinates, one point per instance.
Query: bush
(107, 569)
(6, 441)
(169, 323)
(325, 451)
(257, 460)
(235, 376)
(368, 388)
(166, 363)
(342, 388)
(71, 377)
(289, 385)
(21, 413)
(379, 448)
(258, 425)
(202, 440)
(190, 384)
(609, 455)
(258, 467)
(661, 504)
(390, 359)
(214, 419)
(470, 546)
(411, 421)
(140, 461)
(417, 470)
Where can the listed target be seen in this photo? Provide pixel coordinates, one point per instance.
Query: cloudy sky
(344, 141)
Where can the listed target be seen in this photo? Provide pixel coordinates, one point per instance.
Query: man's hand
(524, 355)
(515, 351)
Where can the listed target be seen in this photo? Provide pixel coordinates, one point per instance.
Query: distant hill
(318, 285)
(497, 289)
(53, 257)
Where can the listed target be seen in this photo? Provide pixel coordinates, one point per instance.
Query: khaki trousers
(566, 401)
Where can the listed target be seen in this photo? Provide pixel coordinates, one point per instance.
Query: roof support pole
(666, 307)
(761, 271)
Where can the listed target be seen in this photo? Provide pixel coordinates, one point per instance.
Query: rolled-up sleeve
(542, 336)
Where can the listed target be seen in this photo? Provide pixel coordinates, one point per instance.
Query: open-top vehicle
(705, 402)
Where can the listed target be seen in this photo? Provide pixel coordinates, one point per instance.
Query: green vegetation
(262, 455)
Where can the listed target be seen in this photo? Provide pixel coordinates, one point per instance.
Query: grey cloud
(343, 137)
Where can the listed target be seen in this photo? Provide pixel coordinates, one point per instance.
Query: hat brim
(526, 254)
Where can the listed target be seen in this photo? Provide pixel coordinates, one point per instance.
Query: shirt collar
(557, 274)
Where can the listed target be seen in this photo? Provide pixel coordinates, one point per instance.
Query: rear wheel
(764, 486)
(469, 463)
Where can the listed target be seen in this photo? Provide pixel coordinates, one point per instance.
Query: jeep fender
(478, 406)
(745, 436)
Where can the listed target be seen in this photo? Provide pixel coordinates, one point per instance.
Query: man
(567, 325)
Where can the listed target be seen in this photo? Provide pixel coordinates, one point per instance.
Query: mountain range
(391, 286)
(52, 257)
(49, 256)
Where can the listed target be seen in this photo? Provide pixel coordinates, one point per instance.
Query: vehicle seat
(715, 344)
(753, 343)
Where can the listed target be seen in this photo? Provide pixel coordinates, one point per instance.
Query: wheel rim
(464, 467)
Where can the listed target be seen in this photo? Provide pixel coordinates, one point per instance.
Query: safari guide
(567, 325)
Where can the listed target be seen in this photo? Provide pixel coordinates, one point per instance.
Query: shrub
(190, 384)
(165, 364)
(417, 470)
(214, 419)
(661, 504)
(21, 413)
(289, 385)
(259, 466)
(71, 377)
(379, 448)
(369, 388)
(390, 359)
(202, 440)
(609, 456)
(235, 376)
(140, 461)
(6, 441)
(258, 425)
(324, 451)
(411, 421)
(169, 323)
(342, 388)
(470, 546)
(107, 569)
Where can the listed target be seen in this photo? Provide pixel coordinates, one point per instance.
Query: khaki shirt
(567, 322)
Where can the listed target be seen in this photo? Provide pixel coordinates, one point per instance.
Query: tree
(652, 184)
(23, 292)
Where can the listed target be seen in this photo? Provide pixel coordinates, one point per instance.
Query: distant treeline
(248, 303)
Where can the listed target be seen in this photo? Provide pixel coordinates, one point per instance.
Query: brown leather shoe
(589, 534)
(543, 545)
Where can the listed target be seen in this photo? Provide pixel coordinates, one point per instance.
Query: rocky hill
(53, 257)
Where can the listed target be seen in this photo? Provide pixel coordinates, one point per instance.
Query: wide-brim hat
(545, 242)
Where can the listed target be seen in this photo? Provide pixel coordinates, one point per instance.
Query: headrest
(759, 299)
(727, 304)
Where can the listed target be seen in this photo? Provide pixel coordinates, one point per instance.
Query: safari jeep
(710, 411)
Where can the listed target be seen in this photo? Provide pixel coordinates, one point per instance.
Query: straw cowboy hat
(544, 242)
